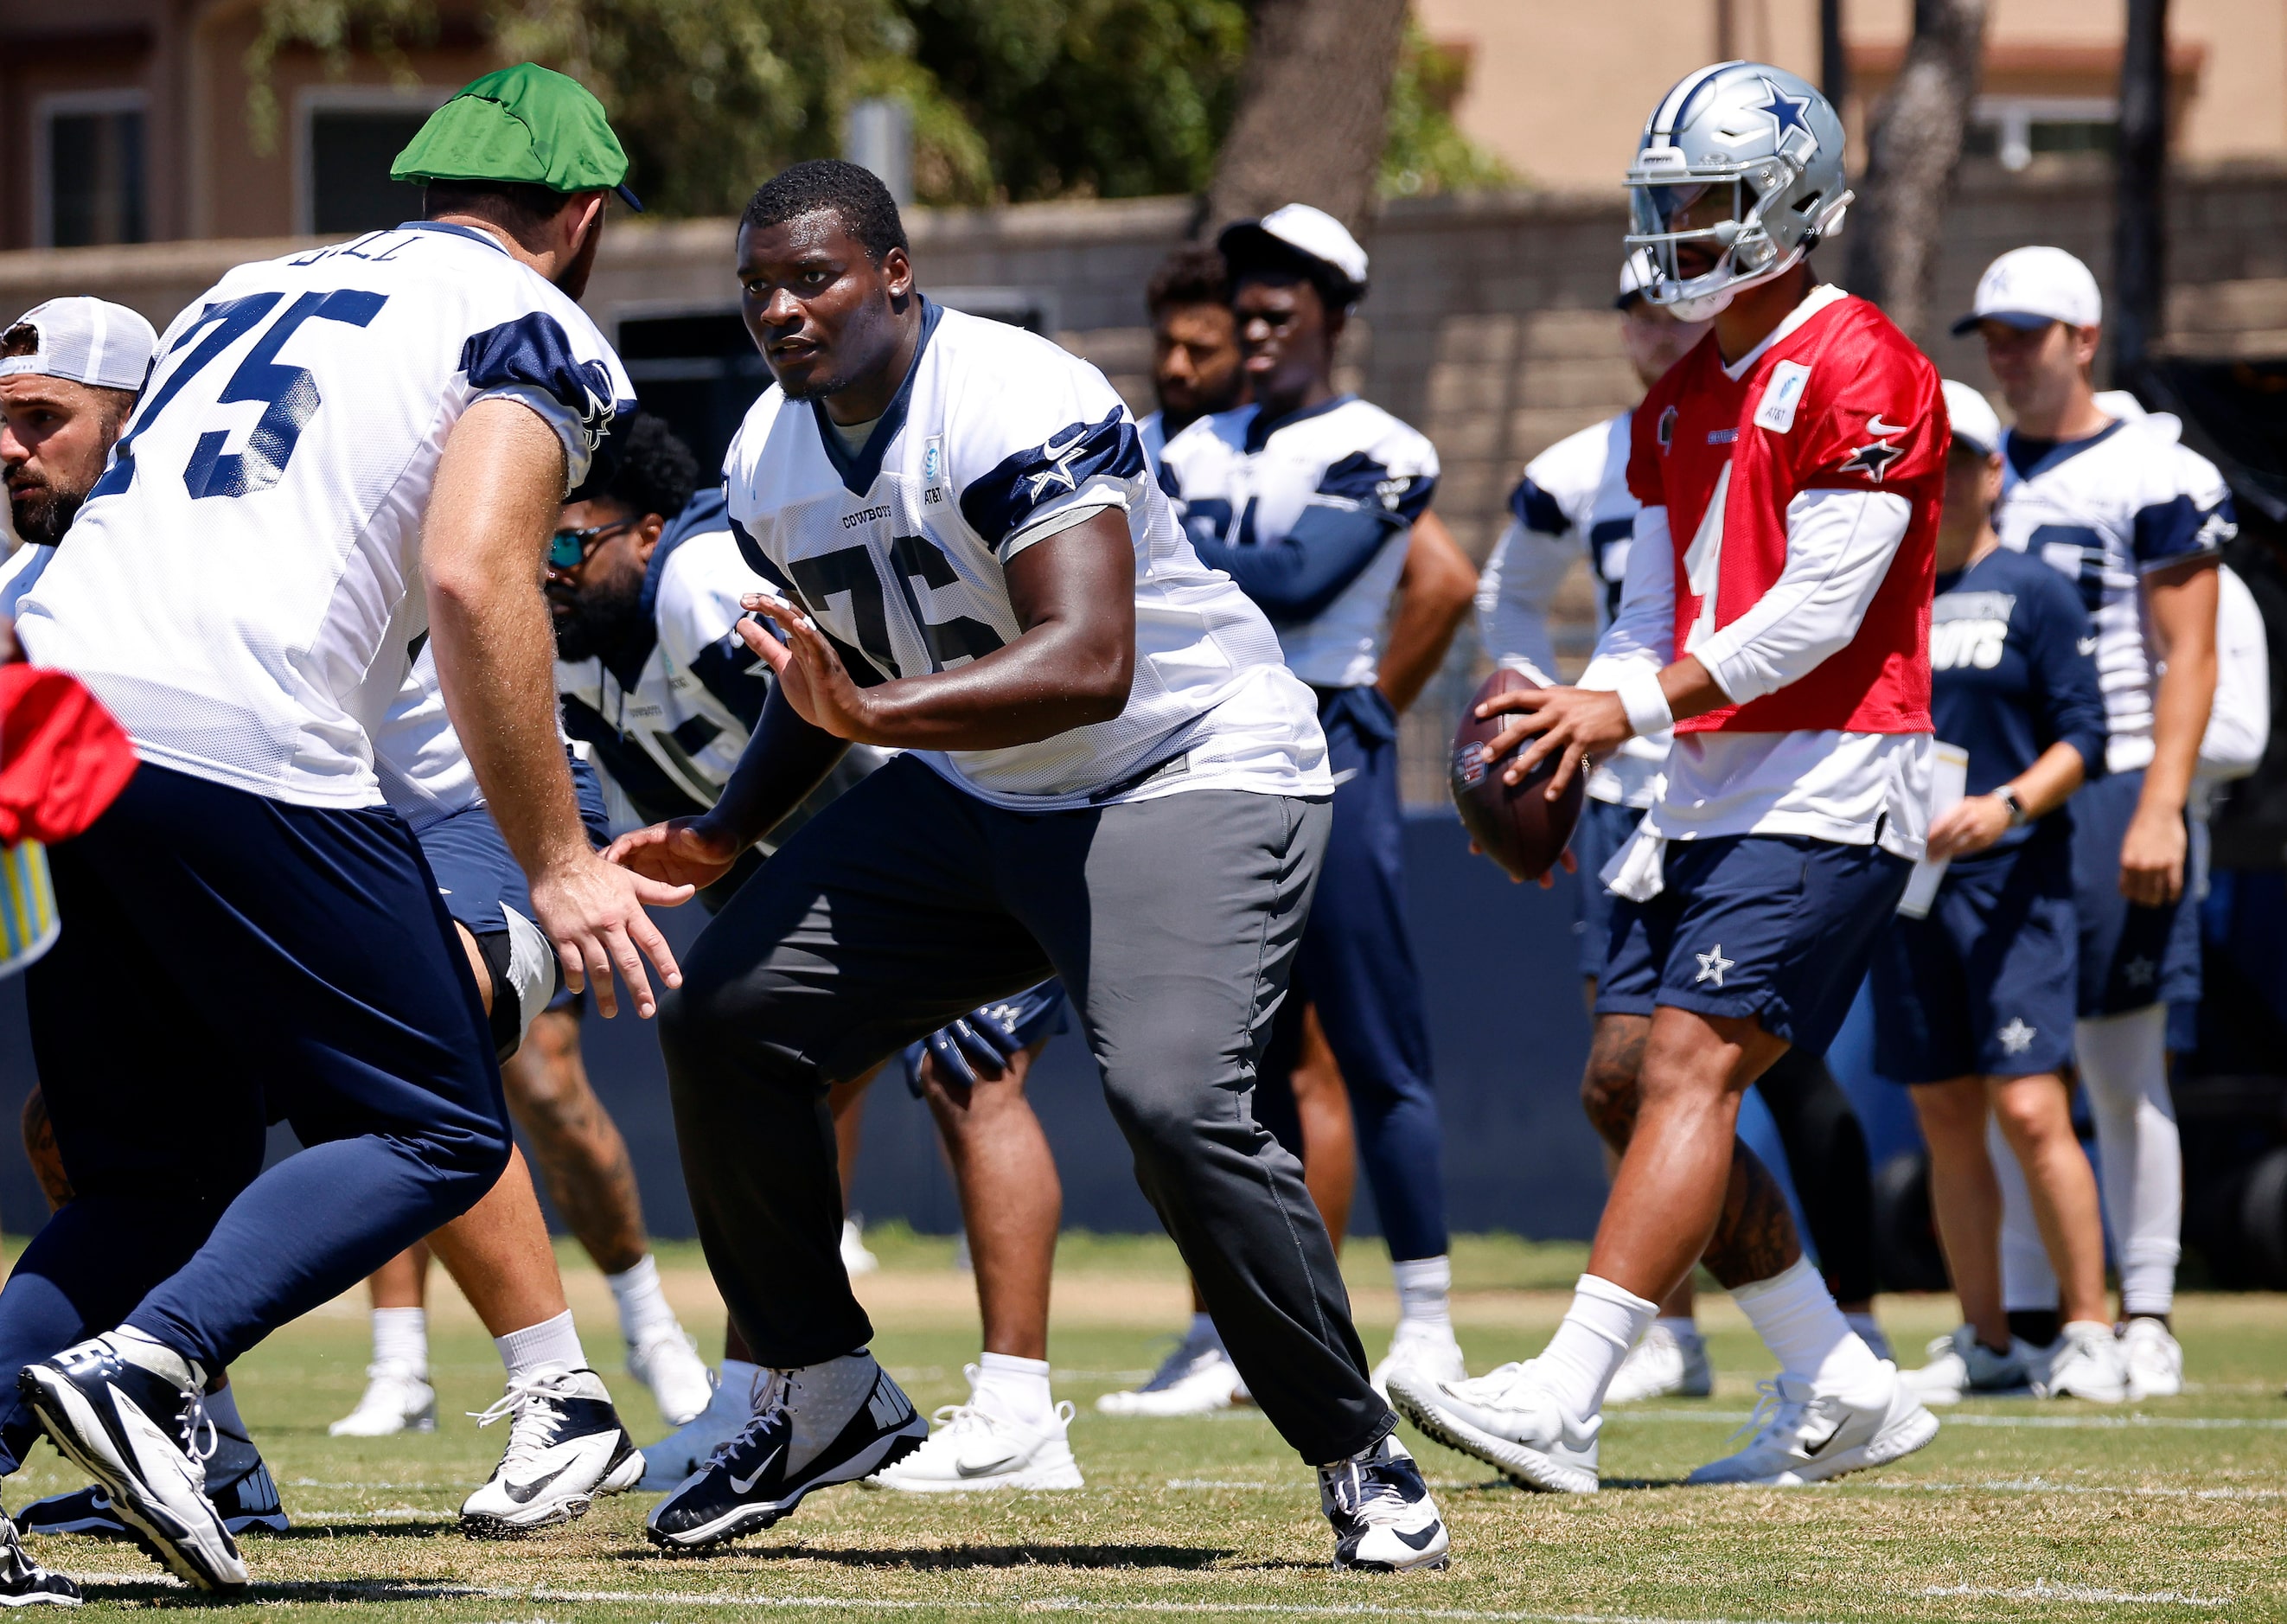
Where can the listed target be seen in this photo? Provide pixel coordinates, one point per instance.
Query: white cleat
(1664, 1363)
(1960, 1366)
(668, 1362)
(1508, 1419)
(2154, 1357)
(566, 1449)
(2087, 1362)
(1806, 1435)
(397, 1398)
(682, 1451)
(1384, 1518)
(856, 1259)
(1196, 1379)
(973, 1448)
(1430, 1351)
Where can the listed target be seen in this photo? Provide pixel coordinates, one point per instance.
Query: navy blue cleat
(24, 1582)
(823, 1424)
(1383, 1517)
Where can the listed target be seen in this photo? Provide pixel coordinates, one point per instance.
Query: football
(1518, 826)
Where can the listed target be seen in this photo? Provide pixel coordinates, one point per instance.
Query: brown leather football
(1518, 826)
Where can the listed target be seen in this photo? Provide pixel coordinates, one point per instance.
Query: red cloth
(63, 760)
(1852, 406)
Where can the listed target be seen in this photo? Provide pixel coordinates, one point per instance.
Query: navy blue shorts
(1777, 929)
(1985, 985)
(2131, 957)
(477, 874)
(1604, 829)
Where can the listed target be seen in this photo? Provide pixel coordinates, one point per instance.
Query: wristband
(1640, 696)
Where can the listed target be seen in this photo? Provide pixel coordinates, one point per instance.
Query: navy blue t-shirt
(2013, 670)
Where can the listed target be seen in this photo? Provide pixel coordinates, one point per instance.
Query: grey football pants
(1174, 923)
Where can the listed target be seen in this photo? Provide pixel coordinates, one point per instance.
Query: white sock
(1602, 1324)
(644, 1313)
(1013, 1388)
(1794, 1314)
(1424, 1286)
(222, 1409)
(2029, 1279)
(1683, 1328)
(401, 1338)
(2124, 1060)
(1870, 1332)
(551, 1343)
(741, 1379)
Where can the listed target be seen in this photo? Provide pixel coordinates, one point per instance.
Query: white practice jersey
(1572, 504)
(2106, 512)
(425, 775)
(228, 588)
(1335, 489)
(669, 715)
(2239, 723)
(997, 440)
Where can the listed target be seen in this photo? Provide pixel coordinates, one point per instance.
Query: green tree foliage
(1013, 101)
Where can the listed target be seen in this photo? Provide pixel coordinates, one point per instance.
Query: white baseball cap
(1295, 229)
(2031, 286)
(84, 341)
(1975, 423)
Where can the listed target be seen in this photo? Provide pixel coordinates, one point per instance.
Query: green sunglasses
(569, 549)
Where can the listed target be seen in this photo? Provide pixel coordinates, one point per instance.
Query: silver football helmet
(1742, 159)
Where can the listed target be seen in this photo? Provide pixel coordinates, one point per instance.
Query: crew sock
(551, 1343)
(400, 1339)
(1602, 1324)
(1425, 1288)
(1014, 1390)
(643, 1310)
(1795, 1315)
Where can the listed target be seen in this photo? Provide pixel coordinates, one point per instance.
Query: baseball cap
(1296, 230)
(2031, 286)
(85, 341)
(1975, 423)
(523, 123)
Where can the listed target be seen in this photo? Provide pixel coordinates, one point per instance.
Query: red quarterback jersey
(1843, 402)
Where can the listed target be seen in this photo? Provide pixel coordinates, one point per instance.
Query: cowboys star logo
(1874, 460)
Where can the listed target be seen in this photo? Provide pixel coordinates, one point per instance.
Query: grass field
(2171, 1510)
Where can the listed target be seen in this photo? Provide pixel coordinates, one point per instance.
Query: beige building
(1561, 93)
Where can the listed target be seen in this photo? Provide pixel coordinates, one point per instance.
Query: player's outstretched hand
(690, 851)
(593, 912)
(810, 673)
(2152, 860)
(1572, 724)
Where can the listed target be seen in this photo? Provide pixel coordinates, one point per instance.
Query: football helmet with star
(1745, 159)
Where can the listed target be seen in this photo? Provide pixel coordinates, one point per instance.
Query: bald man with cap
(344, 459)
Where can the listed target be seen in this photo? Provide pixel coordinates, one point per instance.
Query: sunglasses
(569, 549)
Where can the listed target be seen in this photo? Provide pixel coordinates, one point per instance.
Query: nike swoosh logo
(967, 1471)
(1875, 425)
(1419, 1542)
(1832, 1433)
(1056, 454)
(745, 1485)
(523, 1492)
(2088, 646)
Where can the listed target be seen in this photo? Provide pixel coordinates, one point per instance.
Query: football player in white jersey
(2138, 520)
(1108, 773)
(1574, 503)
(1308, 499)
(227, 591)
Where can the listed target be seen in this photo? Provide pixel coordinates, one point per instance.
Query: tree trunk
(1911, 156)
(1313, 109)
(2138, 263)
(1833, 56)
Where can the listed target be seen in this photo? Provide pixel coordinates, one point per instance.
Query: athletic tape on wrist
(1640, 697)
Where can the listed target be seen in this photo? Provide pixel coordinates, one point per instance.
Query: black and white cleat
(566, 1450)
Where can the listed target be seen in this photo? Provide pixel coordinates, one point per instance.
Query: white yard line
(2104, 1424)
(2037, 1485)
(2042, 1590)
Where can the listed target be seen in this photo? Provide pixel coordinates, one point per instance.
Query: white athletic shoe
(2086, 1362)
(973, 1448)
(856, 1258)
(566, 1450)
(1664, 1365)
(1384, 1518)
(1961, 1366)
(684, 1451)
(1427, 1351)
(1873, 1336)
(2154, 1357)
(1196, 1379)
(1806, 1436)
(397, 1398)
(668, 1362)
(1509, 1419)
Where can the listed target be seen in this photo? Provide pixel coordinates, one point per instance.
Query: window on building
(93, 187)
(348, 152)
(2018, 129)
